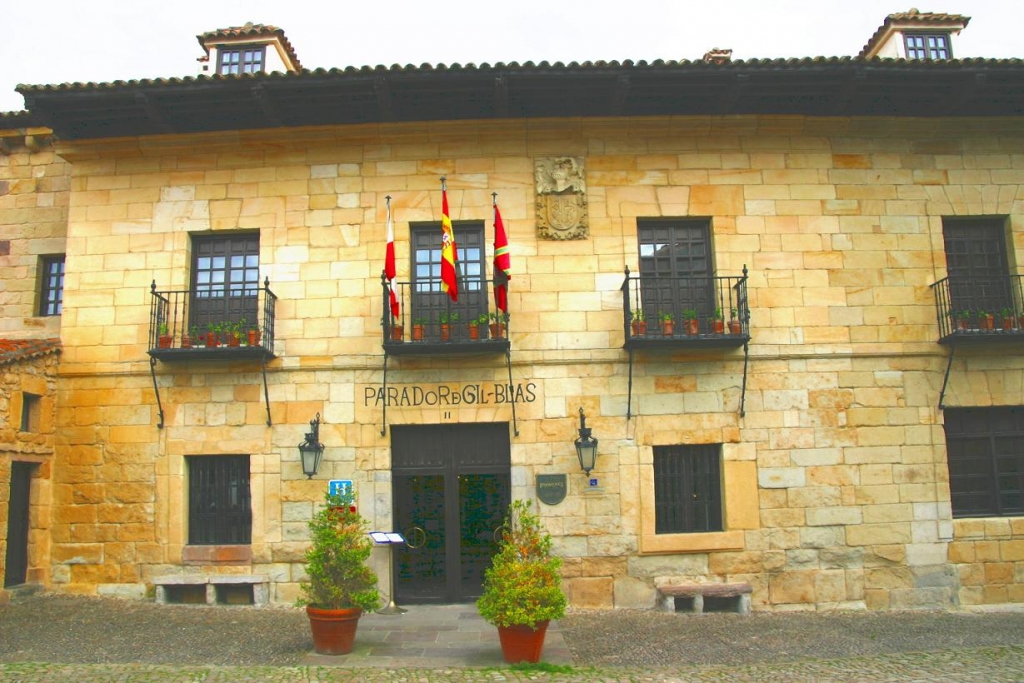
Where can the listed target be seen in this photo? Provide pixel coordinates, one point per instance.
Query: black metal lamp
(311, 450)
(586, 446)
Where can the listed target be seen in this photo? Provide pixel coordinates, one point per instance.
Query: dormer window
(247, 59)
(928, 46)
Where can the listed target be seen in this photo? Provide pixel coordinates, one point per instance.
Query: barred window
(51, 285)
(219, 502)
(985, 450)
(687, 489)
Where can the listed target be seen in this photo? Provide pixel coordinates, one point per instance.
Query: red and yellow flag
(502, 263)
(449, 280)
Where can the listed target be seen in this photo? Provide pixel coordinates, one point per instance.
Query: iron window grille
(985, 451)
(244, 60)
(687, 489)
(51, 291)
(219, 500)
(927, 46)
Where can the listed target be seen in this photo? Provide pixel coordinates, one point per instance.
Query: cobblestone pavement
(61, 638)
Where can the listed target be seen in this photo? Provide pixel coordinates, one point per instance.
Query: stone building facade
(820, 429)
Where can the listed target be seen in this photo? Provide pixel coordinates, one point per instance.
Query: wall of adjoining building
(835, 483)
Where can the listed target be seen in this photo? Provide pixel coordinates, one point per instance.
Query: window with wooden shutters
(977, 264)
(985, 451)
(219, 503)
(676, 268)
(687, 489)
(225, 279)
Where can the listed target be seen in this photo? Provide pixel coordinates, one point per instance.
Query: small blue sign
(339, 486)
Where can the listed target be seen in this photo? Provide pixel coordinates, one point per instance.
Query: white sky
(63, 41)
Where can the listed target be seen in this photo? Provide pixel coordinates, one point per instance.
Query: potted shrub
(522, 589)
(447, 319)
(497, 324)
(735, 327)
(962, 319)
(339, 585)
(212, 334)
(717, 322)
(254, 335)
(164, 337)
(418, 324)
(638, 326)
(667, 323)
(690, 323)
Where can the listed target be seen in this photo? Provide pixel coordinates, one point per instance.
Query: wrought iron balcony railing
(980, 309)
(685, 311)
(208, 322)
(429, 322)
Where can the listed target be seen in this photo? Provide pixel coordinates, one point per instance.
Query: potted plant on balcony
(668, 323)
(163, 336)
(340, 585)
(717, 322)
(690, 323)
(476, 324)
(253, 334)
(961, 319)
(638, 326)
(418, 325)
(735, 326)
(522, 588)
(497, 324)
(447, 319)
(1006, 318)
(986, 320)
(212, 335)
(397, 330)
(232, 334)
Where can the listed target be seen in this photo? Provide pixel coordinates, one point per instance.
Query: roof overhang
(811, 87)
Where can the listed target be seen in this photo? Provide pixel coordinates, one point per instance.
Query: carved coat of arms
(561, 199)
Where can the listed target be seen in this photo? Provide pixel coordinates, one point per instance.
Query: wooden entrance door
(451, 489)
(17, 524)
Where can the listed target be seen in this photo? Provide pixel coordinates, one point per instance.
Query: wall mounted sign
(337, 487)
(551, 488)
(449, 395)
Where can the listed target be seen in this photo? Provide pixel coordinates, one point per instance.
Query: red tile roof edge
(14, 350)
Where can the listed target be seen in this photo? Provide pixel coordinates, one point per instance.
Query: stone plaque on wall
(561, 199)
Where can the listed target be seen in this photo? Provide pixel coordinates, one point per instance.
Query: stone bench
(696, 597)
(225, 589)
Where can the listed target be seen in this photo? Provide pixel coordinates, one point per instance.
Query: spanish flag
(389, 264)
(502, 263)
(449, 280)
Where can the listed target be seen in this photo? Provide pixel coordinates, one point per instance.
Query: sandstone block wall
(835, 482)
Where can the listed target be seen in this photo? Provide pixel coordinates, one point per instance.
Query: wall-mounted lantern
(586, 446)
(311, 450)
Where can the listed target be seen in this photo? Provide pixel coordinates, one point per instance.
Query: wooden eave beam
(266, 104)
(383, 93)
(501, 96)
(620, 95)
(153, 113)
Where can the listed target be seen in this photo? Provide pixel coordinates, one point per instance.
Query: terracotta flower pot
(417, 332)
(639, 328)
(446, 332)
(397, 332)
(718, 326)
(497, 330)
(164, 341)
(522, 643)
(474, 332)
(334, 630)
(692, 327)
(735, 327)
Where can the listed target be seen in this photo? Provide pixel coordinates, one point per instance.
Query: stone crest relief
(561, 199)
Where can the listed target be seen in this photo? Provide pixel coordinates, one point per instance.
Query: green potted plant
(397, 330)
(476, 324)
(1006, 318)
(340, 585)
(522, 589)
(418, 325)
(638, 325)
(497, 324)
(690, 322)
(164, 337)
(986, 320)
(735, 326)
(253, 333)
(962, 318)
(447, 319)
(212, 334)
(717, 322)
(668, 322)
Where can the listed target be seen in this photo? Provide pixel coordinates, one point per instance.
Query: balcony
(205, 324)
(431, 324)
(685, 312)
(980, 310)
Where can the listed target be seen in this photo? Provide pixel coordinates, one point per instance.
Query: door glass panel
(483, 499)
(419, 516)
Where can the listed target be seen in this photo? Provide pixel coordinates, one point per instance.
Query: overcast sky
(64, 41)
